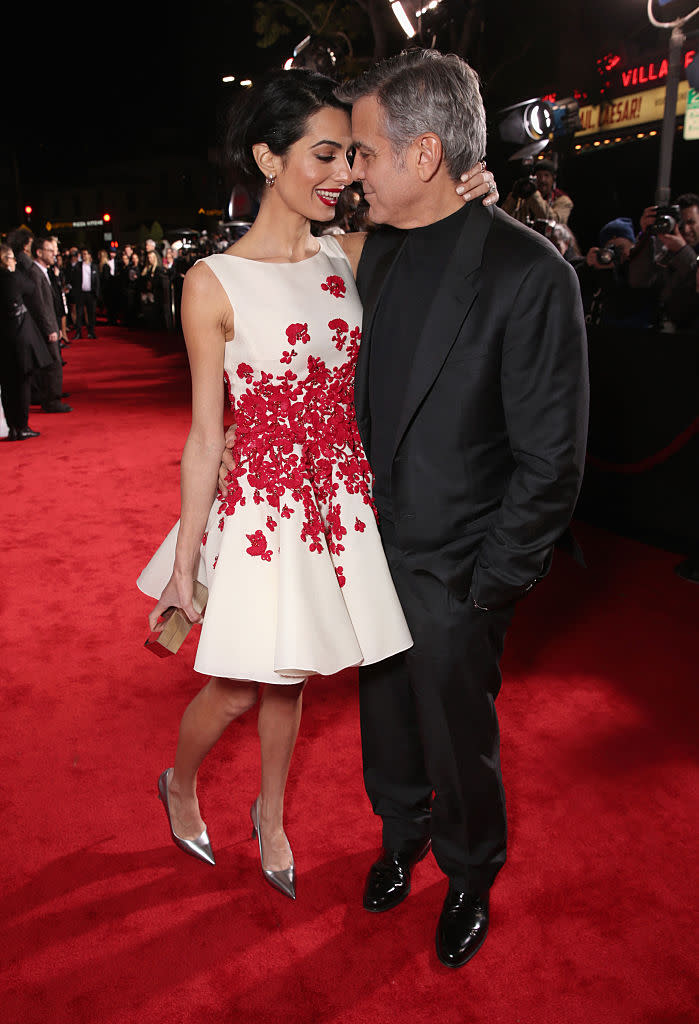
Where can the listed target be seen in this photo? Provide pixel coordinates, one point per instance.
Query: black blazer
(40, 302)
(490, 448)
(75, 279)
(19, 336)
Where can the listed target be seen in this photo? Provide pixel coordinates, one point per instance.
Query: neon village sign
(643, 74)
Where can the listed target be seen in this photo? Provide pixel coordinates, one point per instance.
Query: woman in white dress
(297, 581)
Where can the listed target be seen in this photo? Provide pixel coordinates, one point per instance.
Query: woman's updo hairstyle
(275, 111)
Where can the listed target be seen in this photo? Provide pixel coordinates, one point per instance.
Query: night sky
(87, 86)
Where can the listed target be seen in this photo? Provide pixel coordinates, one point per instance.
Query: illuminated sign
(74, 224)
(646, 74)
(629, 111)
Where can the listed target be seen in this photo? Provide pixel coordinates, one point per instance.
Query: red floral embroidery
(359, 526)
(271, 525)
(335, 285)
(339, 571)
(340, 327)
(296, 435)
(215, 561)
(204, 539)
(297, 333)
(258, 545)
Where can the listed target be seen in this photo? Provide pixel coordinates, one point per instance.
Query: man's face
(689, 224)
(86, 257)
(388, 185)
(48, 253)
(544, 182)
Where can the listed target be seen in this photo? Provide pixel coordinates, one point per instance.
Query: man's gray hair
(427, 91)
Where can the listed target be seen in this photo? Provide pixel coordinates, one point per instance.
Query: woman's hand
(178, 593)
(228, 463)
(478, 182)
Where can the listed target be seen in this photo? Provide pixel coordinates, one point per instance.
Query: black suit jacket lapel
(451, 305)
(376, 276)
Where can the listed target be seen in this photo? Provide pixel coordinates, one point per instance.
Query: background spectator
(537, 198)
(666, 260)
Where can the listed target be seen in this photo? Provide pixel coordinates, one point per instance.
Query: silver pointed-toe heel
(284, 880)
(200, 847)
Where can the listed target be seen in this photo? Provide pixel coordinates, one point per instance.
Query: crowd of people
(645, 277)
(51, 295)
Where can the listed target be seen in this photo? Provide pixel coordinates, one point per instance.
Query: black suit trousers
(85, 309)
(47, 382)
(430, 736)
(15, 390)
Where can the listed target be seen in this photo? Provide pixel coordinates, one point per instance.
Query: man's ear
(429, 155)
(265, 159)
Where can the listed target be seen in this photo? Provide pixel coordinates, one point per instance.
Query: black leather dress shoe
(462, 927)
(57, 407)
(388, 881)
(22, 435)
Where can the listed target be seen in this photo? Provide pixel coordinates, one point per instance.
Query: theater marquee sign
(629, 111)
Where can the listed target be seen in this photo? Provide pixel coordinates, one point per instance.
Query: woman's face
(151, 257)
(8, 260)
(316, 169)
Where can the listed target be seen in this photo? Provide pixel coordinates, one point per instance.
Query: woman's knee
(236, 696)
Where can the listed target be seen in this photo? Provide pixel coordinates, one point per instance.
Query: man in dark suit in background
(49, 381)
(471, 393)
(85, 292)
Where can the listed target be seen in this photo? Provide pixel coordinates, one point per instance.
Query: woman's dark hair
(275, 111)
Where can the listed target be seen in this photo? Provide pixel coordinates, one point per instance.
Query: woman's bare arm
(206, 325)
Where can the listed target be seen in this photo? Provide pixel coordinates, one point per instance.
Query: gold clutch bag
(171, 637)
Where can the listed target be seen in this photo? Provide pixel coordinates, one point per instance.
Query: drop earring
(269, 181)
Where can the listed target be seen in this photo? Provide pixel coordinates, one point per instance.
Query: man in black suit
(85, 292)
(471, 393)
(49, 381)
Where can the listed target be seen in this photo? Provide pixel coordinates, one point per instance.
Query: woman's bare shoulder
(205, 298)
(352, 245)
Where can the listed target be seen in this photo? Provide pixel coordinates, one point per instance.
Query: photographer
(666, 259)
(608, 299)
(536, 198)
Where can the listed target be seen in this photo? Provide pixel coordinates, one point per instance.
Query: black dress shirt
(400, 318)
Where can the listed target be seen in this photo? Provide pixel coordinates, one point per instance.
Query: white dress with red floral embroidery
(297, 578)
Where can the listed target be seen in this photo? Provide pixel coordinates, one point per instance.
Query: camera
(609, 254)
(523, 188)
(666, 220)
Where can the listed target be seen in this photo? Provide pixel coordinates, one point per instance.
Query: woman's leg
(278, 725)
(204, 721)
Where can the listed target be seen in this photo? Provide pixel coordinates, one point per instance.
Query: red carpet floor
(103, 921)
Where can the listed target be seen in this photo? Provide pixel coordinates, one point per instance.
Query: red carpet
(103, 921)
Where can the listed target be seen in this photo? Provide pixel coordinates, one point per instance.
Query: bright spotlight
(228, 78)
(403, 19)
(246, 83)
